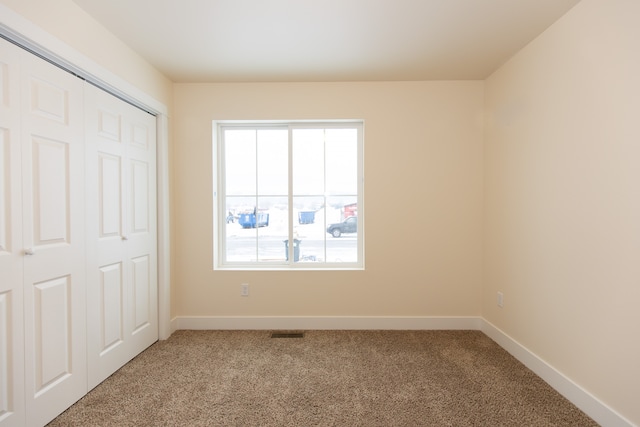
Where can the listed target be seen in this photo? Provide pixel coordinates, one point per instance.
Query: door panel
(5, 193)
(49, 101)
(108, 125)
(9, 151)
(142, 137)
(122, 299)
(142, 293)
(51, 179)
(139, 197)
(111, 309)
(9, 373)
(11, 246)
(52, 332)
(54, 239)
(5, 346)
(110, 196)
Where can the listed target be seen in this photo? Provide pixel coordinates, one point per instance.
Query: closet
(78, 262)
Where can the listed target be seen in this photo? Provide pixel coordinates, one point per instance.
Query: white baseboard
(326, 323)
(589, 404)
(173, 325)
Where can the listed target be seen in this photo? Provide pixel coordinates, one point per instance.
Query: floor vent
(287, 335)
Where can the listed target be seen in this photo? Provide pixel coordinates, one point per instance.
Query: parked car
(349, 225)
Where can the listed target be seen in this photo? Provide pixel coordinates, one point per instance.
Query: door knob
(125, 237)
(29, 251)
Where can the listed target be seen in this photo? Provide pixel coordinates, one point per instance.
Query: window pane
(256, 233)
(342, 223)
(342, 161)
(273, 162)
(241, 239)
(271, 237)
(309, 228)
(308, 161)
(240, 162)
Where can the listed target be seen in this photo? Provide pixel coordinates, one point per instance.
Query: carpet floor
(326, 378)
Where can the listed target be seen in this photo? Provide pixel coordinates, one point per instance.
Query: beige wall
(562, 227)
(423, 201)
(67, 22)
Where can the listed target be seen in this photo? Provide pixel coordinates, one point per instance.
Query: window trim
(219, 235)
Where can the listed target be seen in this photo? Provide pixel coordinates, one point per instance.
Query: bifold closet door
(121, 234)
(11, 247)
(53, 212)
(78, 257)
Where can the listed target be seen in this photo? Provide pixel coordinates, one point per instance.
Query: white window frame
(220, 214)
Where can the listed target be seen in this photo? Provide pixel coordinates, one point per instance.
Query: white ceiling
(326, 40)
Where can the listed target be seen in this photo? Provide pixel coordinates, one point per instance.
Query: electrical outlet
(244, 289)
(500, 299)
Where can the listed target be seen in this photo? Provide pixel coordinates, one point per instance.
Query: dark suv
(349, 225)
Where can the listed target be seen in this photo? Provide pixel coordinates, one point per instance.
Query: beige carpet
(327, 378)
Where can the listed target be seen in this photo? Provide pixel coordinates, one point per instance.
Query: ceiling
(326, 40)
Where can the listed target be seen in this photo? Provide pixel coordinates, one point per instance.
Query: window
(288, 195)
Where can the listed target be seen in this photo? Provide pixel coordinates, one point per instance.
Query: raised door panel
(52, 333)
(11, 359)
(140, 197)
(6, 371)
(51, 179)
(109, 197)
(12, 411)
(5, 190)
(54, 239)
(111, 313)
(142, 300)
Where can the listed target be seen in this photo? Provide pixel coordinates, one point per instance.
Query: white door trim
(18, 29)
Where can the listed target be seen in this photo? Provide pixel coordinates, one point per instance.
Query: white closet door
(121, 234)
(54, 239)
(11, 247)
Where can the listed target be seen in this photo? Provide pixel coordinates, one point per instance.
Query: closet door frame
(21, 31)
